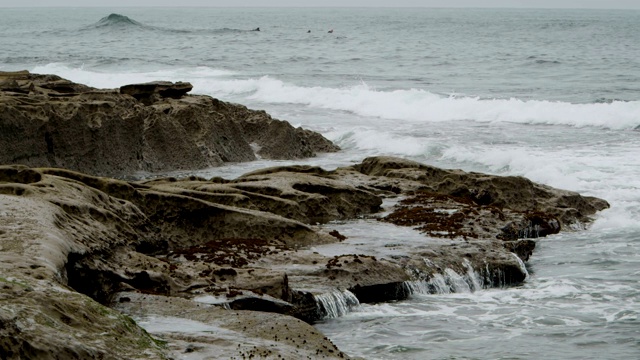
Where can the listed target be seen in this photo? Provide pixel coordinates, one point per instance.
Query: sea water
(552, 95)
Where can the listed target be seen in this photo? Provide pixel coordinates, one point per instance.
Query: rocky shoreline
(82, 253)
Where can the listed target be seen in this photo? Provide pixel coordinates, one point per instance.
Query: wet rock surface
(233, 256)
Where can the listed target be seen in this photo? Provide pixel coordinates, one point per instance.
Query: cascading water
(531, 231)
(336, 303)
(476, 281)
(457, 282)
(450, 281)
(522, 266)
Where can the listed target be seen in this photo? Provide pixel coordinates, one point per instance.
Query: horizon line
(324, 7)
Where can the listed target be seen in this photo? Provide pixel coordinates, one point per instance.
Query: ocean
(552, 95)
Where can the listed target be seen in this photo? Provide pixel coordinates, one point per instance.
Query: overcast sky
(575, 4)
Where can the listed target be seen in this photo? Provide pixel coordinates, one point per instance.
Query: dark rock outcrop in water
(115, 20)
(52, 122)
(76, 246)
(239, 262)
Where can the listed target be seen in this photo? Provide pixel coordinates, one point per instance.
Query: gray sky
(576, 4)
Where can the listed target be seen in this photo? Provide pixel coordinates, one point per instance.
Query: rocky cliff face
(75, 247)
(49, 121)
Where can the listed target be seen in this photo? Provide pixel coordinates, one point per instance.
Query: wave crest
(417, 105)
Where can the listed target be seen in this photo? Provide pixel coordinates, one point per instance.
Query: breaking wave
(423, 106)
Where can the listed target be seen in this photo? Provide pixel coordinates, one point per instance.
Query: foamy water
(549, 95)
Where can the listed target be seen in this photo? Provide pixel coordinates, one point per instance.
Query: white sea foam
(388, 310)
(382, 142)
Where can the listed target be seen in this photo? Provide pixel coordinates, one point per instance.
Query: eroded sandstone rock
(48, 121)
(251, 243)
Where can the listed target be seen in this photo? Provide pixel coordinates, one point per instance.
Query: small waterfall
(439, 285)
(476, 282)
(531, 231)
(457, 282)
(521, 265)
(449, 282)
(336, 303)
(487, 274)
(436, 285)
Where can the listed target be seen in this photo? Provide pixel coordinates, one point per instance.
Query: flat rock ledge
(85, 260)
(47, 121)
